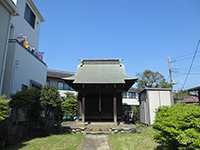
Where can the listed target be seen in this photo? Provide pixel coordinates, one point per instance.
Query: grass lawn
(54, 142)
(137, 141)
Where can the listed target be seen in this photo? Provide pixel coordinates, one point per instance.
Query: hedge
(178, 126)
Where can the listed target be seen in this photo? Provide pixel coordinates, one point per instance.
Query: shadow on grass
(16, 147)
(41, 134)
(165, 147)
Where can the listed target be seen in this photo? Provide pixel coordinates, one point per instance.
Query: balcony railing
(38, 55)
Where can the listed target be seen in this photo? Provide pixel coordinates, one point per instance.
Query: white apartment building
(24, 64)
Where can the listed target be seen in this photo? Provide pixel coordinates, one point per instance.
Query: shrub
(178, 126)
(136, 113)
(70, 104)
(25, 97)
(4, 108)
(27, 101)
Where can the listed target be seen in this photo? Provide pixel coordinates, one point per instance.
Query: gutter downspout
(5, 55)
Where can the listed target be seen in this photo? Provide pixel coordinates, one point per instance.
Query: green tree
(70, 104)
(51, 103)
(152, 79)
(4, 108)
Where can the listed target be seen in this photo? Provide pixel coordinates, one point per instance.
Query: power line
(192, 73)
(182, 56)
(190, 68)
(182, 59)
(176, 68)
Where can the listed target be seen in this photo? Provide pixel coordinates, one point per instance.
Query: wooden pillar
(115, 108)
(83, 109)
(80, 108)
(99, 102)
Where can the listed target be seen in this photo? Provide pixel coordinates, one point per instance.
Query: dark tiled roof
(100, 61)
(134, 90)
(58, 74)
(197, 88)
(101, 71)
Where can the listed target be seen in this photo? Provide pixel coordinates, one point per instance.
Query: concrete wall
(151, 100)
(4, 32)
(25, 68)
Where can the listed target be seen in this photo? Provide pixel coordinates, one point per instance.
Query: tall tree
(152, 79)
(70, 104)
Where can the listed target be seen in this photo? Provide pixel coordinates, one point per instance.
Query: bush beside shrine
(4, 113)
(26, 106)
(178, 126)
(4, 108)
(34, 113)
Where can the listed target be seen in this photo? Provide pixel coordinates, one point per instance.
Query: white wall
(63, 92)
(151, 100)
(156, 100)
(130, 101)
(27, 67)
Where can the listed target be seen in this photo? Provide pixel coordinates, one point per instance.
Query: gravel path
(96, 142)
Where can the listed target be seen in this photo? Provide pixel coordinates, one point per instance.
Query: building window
(66, 87)
(29, 16)
(48, 83)
(125, 95)
(60, 85)
(131, 95)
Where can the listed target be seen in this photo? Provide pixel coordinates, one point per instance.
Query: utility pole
(170, 71)
(169, 61)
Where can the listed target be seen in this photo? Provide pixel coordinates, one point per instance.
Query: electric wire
(190, 68)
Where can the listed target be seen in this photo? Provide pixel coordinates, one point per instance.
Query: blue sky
(141, 32)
